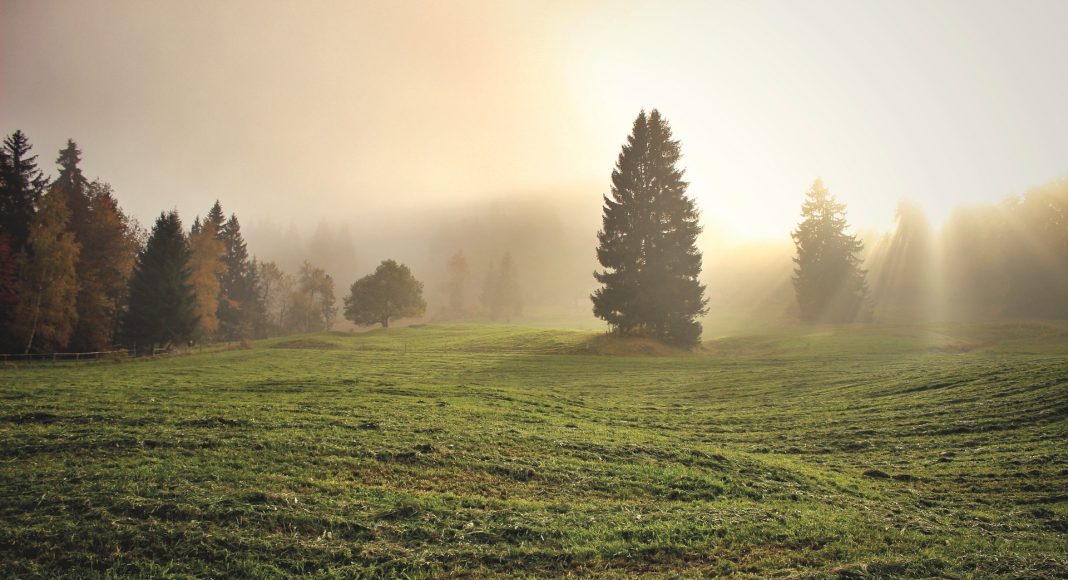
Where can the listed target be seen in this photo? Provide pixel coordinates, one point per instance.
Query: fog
(346, 133)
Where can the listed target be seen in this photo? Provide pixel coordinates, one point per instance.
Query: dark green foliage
(8, 293)
(72, 184)
(390, 293)
(240, 309)
(21, 186)
(828, 279)
(161, 305)
(648, 242)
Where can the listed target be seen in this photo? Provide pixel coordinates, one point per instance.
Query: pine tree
(45, 315)
(239, 302)
(828, 280)
(21, 186)
(72, 184)
(648, 241)
(390, 293)
(162, 303)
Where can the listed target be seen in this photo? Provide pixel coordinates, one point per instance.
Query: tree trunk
(385, 322)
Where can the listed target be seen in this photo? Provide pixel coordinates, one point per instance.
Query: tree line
(78, 274)
(1009, 260)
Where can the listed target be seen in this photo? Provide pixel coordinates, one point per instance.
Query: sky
(359, 112)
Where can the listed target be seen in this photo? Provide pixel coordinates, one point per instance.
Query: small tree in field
(390, 293)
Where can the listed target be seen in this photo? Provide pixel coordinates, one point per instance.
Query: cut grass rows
(495, 450)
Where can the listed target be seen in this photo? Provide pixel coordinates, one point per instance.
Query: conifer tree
(45, 315)
(72, 184)
(239, 300)
(648, 241)
(21, 186)
(828, 280)
(162, 303)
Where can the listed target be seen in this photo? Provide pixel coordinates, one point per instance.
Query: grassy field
(496, 450)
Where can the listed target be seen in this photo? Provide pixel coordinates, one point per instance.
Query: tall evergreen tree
(828, 280)
(45, 315)
(72, 184)
(239, 299)
(21, 186)
(162, 303)
(648, 241)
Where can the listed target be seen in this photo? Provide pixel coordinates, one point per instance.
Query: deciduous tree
(390, 293)
(45, 315)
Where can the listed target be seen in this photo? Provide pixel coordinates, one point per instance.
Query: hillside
(497, 450)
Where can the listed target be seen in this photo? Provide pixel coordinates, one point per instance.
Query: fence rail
(58, 356)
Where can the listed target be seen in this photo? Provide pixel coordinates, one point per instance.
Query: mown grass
(496, 450)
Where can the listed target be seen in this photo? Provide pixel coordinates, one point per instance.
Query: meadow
(468, 450)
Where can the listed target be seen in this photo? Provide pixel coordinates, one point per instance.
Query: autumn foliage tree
(46, 314)
(206, 266)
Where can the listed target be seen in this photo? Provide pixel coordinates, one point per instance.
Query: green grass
(496, 450)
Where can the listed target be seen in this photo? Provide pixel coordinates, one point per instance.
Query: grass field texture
(498, 450)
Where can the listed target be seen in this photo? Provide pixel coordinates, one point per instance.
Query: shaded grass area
(496, 450)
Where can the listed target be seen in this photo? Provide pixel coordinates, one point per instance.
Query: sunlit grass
(497, 450)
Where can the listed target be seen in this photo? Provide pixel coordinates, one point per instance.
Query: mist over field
(533, 288)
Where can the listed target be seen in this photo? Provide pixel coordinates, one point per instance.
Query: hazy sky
(346, 110)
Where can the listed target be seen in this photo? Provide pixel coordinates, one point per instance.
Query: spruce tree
(238, 302)
(828, 280)
(162, 303)
(21, 186)
(648, 241)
